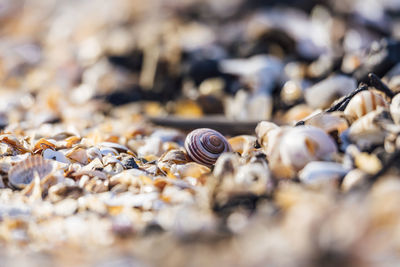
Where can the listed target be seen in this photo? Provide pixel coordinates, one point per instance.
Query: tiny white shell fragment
(55, 155)
(320, 171)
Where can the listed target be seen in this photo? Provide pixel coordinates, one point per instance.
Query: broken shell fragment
(243, 144)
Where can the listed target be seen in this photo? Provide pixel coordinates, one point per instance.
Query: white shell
(254, 177)
(262, 130)
(322, 94)
(363, 103)
(329, 122)
(366, 131)
(320, 171)
(303, 144)
(55, 155)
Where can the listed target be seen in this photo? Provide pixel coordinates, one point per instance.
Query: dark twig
(374, 81)
(342, 104)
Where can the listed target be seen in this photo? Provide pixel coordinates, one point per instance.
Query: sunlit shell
(363, 103)
(243, 144)
(297, 113)
(43, 144)
(174, 156)
(205, 146)
(262, 130)
(352, 179)
(78, 154)
(328, 122)
(368, 129)
(303, 144)
(23, 173)
(191, 169)
(291, 92)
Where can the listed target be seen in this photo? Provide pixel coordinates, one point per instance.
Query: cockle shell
(363, 103)
(205, 146)
(23, 173)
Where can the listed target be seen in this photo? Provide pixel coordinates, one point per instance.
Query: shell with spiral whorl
(205, 145)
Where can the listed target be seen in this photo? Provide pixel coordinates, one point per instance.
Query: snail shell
(205, 145)
(364, 102)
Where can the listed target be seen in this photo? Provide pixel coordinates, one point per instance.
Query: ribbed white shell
(363, 103)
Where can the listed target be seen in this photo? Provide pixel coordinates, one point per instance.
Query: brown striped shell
(23, 173)
(363, 103)
(205, 145)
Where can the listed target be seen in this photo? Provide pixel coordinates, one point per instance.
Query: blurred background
(245, 60)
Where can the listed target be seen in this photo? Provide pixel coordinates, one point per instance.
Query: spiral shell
(363, 103)
(205, 145)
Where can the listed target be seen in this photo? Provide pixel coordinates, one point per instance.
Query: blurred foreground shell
(24, 172)
(205, 146)
(290, 149)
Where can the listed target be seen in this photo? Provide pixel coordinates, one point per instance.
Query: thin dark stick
(342, 104)
(374, 81)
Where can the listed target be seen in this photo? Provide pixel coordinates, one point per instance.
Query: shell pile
(86, 178)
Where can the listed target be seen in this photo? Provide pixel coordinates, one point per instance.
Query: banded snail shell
(205, 145)
(363, 103)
